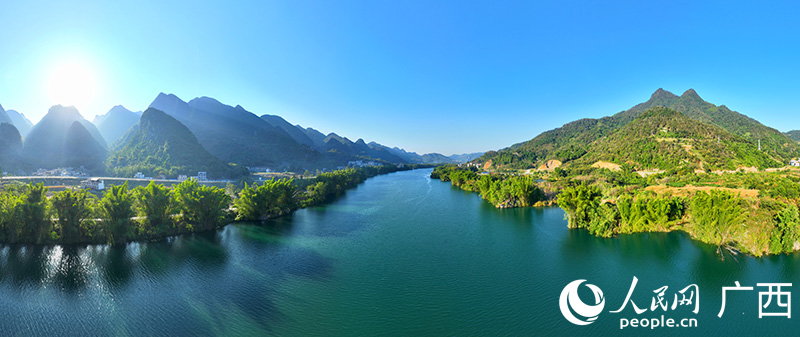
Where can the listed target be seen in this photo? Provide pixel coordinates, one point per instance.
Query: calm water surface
(399, 255)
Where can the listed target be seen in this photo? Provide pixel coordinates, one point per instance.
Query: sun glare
(71, 83)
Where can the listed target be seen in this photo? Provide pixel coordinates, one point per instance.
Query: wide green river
(399, 255)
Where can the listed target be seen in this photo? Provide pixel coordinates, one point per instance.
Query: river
(401, 254)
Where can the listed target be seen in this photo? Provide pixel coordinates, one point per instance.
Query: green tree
(717, 216)
(580, 202)
(155, 203)
(32, 212)
(11, 221)
(272, 198)
(116, 210)
(72, 208)
(203, 207)
(786, 234)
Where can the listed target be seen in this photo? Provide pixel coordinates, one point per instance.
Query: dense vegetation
(10, 148)
(500, 190)
(161, 145)
(154, 211)
(590, 139)
(661, 138)
(754, 212)
(673, 162)
(794, 135)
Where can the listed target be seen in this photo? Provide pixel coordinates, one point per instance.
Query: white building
(138, 175)
(93, 184)
(182, 177)
(202, 176)
(794, 162)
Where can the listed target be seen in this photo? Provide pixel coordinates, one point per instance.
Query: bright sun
(71, 83)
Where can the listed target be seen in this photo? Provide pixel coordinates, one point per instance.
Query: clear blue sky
(429, 76)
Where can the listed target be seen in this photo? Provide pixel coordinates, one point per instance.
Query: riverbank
(750, 212)
(155, 211)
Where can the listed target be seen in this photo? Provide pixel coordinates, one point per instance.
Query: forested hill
(794, 135)
(160, 144)
(573, 140)
(662, 138)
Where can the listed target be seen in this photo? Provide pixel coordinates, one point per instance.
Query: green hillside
(80, 149)
(162, 145)
(794, 135)
(10, 148)
(662, 138)
(573, 141)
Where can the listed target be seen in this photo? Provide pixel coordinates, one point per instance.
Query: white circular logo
(570, 302)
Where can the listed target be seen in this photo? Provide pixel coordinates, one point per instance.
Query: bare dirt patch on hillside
(690, 190)
(550, 164)
(606, 165)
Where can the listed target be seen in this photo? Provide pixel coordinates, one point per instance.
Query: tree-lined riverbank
(155, 211)
(756, 213)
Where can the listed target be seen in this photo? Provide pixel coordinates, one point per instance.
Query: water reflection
(24, 265)
(71, 268)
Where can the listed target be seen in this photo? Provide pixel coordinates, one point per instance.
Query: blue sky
(428, 76)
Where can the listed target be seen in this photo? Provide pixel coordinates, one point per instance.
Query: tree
(156, 204)
(580, 202)
(32, 213)
(786, 234)
(116, 211)
(272, 198)
(717, 215)
(72, 208)
(10, 216)
(203, 207)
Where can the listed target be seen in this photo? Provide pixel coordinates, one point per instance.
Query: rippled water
(399, 255)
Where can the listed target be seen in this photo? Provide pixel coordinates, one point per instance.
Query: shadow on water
(71, 270)
(520, 216)
(115, 266)
(271, 255)
(24, 265)
(199, 250)
(790, 264)
(641, 248)
(709, 264)
(270, 239)
(68, 267)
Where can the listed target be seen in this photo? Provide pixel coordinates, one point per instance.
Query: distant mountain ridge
(229, 133)
(52, 142)
(574, 140)
(236, 135)
(20, 121)
(4, 116)
(794, 135)
(115, 123)
(160, 144)
(17, 119)
(334, 142)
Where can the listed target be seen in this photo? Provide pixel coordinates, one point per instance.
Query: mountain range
(115, 123)
(63, 138)
(18, 120)
(160, 145)
(652, 135)
(336, 143)
(203, 128)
